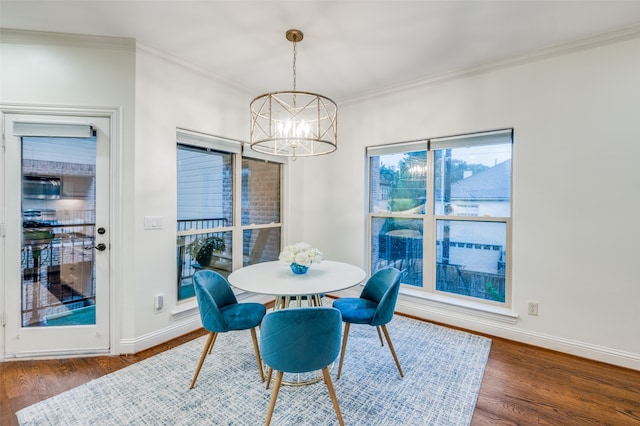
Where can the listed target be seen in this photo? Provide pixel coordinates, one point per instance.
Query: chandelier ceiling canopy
(293, 123)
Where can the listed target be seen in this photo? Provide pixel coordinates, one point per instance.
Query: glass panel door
(57, 257)
(58, 227)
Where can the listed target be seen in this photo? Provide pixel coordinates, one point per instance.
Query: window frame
(238, 150)
(430, 219)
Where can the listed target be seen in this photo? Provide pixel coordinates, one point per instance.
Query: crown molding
(65, 39)
(152, 51)
(619, 35)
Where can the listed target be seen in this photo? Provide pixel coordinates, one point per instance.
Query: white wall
(155, 96)
(575, 180)
(170, 95)
(575, 191)
(64, 71)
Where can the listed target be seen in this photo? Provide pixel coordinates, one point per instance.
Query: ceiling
(351, 49)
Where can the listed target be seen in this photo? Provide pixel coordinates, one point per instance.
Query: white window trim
(428, 291)
(239, 151)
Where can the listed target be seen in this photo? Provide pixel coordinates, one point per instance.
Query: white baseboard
(157, 337)
(186, 319)
(479, 323)
(469, 319)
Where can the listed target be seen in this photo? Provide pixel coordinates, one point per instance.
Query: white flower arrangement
(300, 253)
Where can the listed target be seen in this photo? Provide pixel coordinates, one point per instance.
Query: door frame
(115, 211)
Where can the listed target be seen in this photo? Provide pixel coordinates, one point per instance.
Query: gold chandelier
(292, 123)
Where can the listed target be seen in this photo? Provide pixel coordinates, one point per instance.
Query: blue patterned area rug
(443, 370)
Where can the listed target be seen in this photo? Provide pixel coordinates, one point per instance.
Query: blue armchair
(299, 340)
(374, 307)
(220, 312)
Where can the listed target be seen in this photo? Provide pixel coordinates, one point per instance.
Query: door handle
(99, 247)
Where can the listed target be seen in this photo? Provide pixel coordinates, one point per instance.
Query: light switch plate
(153, 222)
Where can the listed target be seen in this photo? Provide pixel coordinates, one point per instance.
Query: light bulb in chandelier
(292, 130)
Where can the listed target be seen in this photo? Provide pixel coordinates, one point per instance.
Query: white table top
(276, 278)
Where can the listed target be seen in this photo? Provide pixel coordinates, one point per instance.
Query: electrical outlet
(532, 308)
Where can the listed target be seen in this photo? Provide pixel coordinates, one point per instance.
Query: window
(440, 211)
(228, 208)
(261, 201)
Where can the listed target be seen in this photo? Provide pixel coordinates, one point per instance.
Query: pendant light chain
(295, 101)
(295, 53)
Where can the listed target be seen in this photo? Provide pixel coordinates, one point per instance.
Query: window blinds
(57, 129)
(204, 140)
(494, 137)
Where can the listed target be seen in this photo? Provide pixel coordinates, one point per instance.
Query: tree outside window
(441, 214)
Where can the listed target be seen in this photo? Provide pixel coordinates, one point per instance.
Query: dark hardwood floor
(522, 385)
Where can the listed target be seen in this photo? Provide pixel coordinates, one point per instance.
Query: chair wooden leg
(379, 335)
(393, 352)
(332, 393)
(269, 377)
(344, 346)
(212, 342)
(208, 346)
(274, 396)
(256, 349)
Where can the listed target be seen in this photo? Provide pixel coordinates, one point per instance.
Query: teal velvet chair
(374, 307)
(298, 340)
(220, 312)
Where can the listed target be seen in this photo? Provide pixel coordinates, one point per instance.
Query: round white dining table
(276, 278)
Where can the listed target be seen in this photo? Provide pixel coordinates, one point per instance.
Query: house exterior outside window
(228, 207)
(440, 211)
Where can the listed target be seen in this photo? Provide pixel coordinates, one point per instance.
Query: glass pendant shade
(293, 124)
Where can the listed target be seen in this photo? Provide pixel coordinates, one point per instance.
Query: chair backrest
(213, 293)
(382, 288)
(298, 340)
